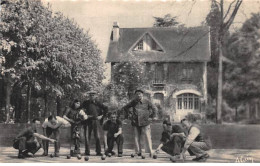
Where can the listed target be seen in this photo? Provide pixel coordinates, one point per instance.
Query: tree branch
(230, 5)
(232, 17)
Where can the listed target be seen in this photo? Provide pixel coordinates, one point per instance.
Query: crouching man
(26, 141)
(195, 142)
(113, 133)
(172, 139)
(50, 126)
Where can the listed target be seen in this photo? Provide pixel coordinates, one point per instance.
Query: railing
(158, 82)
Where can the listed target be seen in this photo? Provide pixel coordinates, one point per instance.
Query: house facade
(175, 64)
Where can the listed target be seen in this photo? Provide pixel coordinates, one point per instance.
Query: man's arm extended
(43, 137)
(65, 116)
(126, 107)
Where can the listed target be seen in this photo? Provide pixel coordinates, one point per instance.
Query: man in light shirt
(50, 126)
(194, 142)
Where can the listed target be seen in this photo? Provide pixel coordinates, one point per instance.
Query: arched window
(188, 101)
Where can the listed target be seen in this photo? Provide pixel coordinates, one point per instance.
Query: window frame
(183, 102)
(140, 45)
(187, 73)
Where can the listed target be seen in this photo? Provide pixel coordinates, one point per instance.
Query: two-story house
(175, 64)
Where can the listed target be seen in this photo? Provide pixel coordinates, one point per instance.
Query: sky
(97, 16)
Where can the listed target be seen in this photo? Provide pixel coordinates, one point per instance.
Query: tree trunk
(45, 104)
(59, 106)
(45, 98)
(256, 110)
(220, 80)
(8, 89)
(29, 93)
(247, 110)
(236, 115)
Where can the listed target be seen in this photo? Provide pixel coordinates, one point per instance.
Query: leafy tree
(220, 20)
(166, 21)
(243, 79)
(47, 52)
(127, 77)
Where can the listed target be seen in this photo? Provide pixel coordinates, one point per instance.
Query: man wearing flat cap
(96, 112)
(142, 114)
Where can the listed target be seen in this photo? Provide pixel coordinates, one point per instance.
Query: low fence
(222, 136)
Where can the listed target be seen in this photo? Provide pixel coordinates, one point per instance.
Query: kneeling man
(195, 142)
(113, 133)
(26, 141)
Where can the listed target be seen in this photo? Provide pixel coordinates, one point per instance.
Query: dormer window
(140, 45)
(147, 43)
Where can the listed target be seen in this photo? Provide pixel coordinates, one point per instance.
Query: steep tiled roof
(179, 45)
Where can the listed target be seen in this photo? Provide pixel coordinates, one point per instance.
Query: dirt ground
(9, 155)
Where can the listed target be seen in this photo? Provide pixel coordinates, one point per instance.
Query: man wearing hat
(143, 112)
(95, 112)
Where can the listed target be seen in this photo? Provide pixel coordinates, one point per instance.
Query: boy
(113, 133)
(75, 116)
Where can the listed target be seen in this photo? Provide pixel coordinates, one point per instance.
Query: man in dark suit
(95, 111)
(142, 114)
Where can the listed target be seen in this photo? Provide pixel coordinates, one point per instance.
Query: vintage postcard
(130, 81)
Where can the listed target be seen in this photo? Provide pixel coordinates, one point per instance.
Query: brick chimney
(115, 31)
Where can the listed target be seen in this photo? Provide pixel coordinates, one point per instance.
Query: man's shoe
(99, 154)
(196, 159)
(174, 158)
(87, 153)
(26, 155)
(139, 154)
(120, 155)
(201, 158)
(56, 155)
(45, 154)
(113, 153)
(21, 156)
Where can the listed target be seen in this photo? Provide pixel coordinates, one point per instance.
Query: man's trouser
(146, 132)
(24, 145)
(199, 148)
(119, 141)
(88, 127)
(75, 137)
(56, 134)
(174, 146)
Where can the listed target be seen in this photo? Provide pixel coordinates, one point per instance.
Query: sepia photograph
(130, 81)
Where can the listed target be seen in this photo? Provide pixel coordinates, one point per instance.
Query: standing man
(26, 141)
(50, 126)
(195, 142)
(95, 111)
(113, 133)
(142, 114)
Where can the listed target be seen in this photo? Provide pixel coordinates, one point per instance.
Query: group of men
(91, 113)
